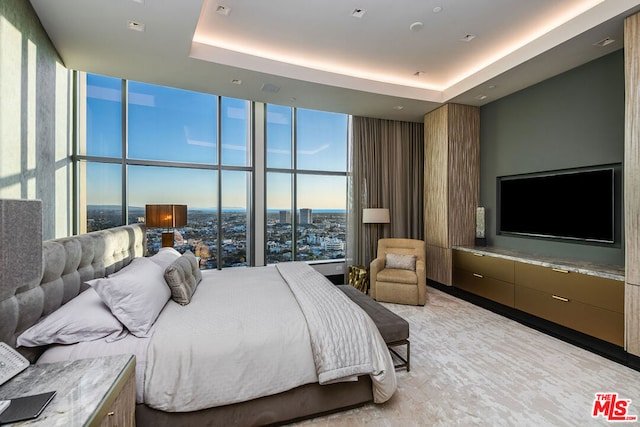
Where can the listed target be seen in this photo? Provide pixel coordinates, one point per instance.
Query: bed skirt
(296, 404)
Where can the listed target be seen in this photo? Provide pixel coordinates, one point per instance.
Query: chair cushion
(397, 276)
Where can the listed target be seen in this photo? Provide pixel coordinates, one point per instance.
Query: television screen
(576, 205)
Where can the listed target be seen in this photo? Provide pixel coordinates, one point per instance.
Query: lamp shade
(375, 216)
(165, 216)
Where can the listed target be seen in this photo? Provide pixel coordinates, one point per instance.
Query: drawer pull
(479, 276)
(559, 270)
(110, 414)
(475, 254)
(560, 298)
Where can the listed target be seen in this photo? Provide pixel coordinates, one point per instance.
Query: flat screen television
(570, 204)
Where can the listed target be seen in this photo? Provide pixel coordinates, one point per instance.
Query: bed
(252, 346)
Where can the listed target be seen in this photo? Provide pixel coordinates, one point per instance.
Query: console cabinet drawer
(604, 324)
(488, 287)
(487, 266)
(591, 290)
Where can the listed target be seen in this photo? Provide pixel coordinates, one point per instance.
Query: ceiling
(394, 60)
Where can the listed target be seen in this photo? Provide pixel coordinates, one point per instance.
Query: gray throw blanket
(341, 335)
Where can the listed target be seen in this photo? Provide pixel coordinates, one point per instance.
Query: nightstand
(90, 392)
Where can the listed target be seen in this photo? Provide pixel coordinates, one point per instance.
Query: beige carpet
(471, 367)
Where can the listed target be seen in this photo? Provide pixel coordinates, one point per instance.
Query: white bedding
(262, 347)
(233, 329)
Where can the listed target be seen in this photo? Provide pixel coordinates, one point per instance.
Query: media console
(584, 297)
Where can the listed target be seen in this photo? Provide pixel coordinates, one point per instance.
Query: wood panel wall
(436, 152)
(632, 182)
(464, 173)
(452, 184)
(632, 318)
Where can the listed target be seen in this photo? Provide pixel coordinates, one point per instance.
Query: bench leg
(405, 362)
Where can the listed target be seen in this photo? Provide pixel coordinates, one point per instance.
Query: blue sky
(175, 125)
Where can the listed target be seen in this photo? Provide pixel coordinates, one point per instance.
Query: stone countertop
(614, 272)
(81, 387)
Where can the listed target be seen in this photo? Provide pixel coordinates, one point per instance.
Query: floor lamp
(374, 216)
(167, 217)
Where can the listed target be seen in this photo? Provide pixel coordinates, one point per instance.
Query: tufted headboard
(67, 263)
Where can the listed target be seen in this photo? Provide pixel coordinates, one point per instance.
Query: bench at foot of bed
(393, 328)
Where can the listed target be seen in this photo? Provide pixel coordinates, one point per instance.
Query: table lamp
(167, 217)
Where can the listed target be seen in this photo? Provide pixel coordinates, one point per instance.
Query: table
(359, 277)
(90, 392)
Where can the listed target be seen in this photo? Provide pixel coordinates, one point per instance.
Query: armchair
(398, 273)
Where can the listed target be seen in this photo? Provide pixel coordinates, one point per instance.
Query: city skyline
(229, 209)
(319, 236)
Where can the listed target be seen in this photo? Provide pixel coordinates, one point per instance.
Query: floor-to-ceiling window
(306, 184)
(145, 144)
(142, 144)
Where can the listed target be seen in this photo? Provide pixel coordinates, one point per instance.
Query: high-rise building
(306, 216)
(285, 217)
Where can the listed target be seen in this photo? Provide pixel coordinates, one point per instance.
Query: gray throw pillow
(401, 262)
(183, 276)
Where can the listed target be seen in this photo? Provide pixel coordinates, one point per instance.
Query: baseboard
(602, 348)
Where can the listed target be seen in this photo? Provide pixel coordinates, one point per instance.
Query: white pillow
(84, 318)
(136, 295)
(165, 257)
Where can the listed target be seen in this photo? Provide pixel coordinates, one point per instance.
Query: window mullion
(219, 183)
(75, 209)
(259, 188)
(294, 187)
(125, 153)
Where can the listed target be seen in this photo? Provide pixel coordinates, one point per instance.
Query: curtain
(386, 171)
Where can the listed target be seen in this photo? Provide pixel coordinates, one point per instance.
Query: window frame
(295, 173)
(256, 191)
(79, 215)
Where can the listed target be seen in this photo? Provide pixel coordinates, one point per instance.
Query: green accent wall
(575, 119)
(35, 117)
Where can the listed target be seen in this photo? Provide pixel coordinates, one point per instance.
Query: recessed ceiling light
(604, 42)
(223, 10)
(135, 26)
(468, 37)
(437, 9)
(416, 26)
(481, 97)
(492, 86)
(398, 107)
(236, 81)
(358, 13)
(138, 1)
(292, 99)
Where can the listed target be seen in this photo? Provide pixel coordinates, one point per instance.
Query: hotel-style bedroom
(235, 213)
